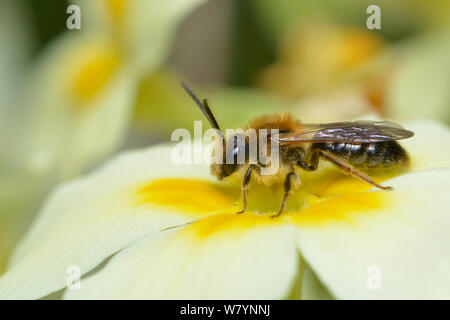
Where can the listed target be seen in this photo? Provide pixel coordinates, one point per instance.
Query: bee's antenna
(203, 107)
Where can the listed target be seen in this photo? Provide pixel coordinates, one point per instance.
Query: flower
(418, 87)
(144, 29)
(402, 80)
(81, 92)
(304, 67)
(142, 227)
(71, 106)
(79, 85)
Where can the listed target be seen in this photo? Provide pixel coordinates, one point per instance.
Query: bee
(354, 147)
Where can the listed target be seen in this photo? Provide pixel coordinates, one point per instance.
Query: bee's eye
(236, 152)
(240, 146)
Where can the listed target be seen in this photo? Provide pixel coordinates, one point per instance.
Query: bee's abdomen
(370, 155)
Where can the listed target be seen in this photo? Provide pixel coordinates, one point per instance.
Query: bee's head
(231, 149)
(234, 152)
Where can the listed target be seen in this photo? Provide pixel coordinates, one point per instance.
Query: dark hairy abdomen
(370, 155)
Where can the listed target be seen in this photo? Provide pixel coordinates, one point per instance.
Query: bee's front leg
(287, 189)
(245, 183)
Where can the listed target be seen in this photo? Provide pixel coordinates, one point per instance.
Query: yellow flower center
(342, 208)
(319, 201)
(225, 223)
(92, 69)
(193, 196)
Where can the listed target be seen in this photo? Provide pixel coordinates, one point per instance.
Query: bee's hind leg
(352, 171)
(245, 183)
(287, 189)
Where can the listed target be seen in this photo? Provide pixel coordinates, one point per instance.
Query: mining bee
(351, 146)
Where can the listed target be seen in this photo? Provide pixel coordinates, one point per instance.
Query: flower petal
(419, 86)
(20, 197)
(87, 220)
(225, 256)
(388, 245)
(425, 147)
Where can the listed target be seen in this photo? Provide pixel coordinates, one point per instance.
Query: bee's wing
(347, 132)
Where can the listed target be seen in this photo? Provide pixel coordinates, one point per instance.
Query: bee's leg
(287, 189)
(350, 170)
(245, 183)
(311, 162)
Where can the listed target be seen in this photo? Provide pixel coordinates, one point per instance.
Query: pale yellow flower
(79, 99)
(318, 57)
(171, 231)
(144, 29)
(82, 89)
(418, 88)
(405, 80)
(68, 109)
